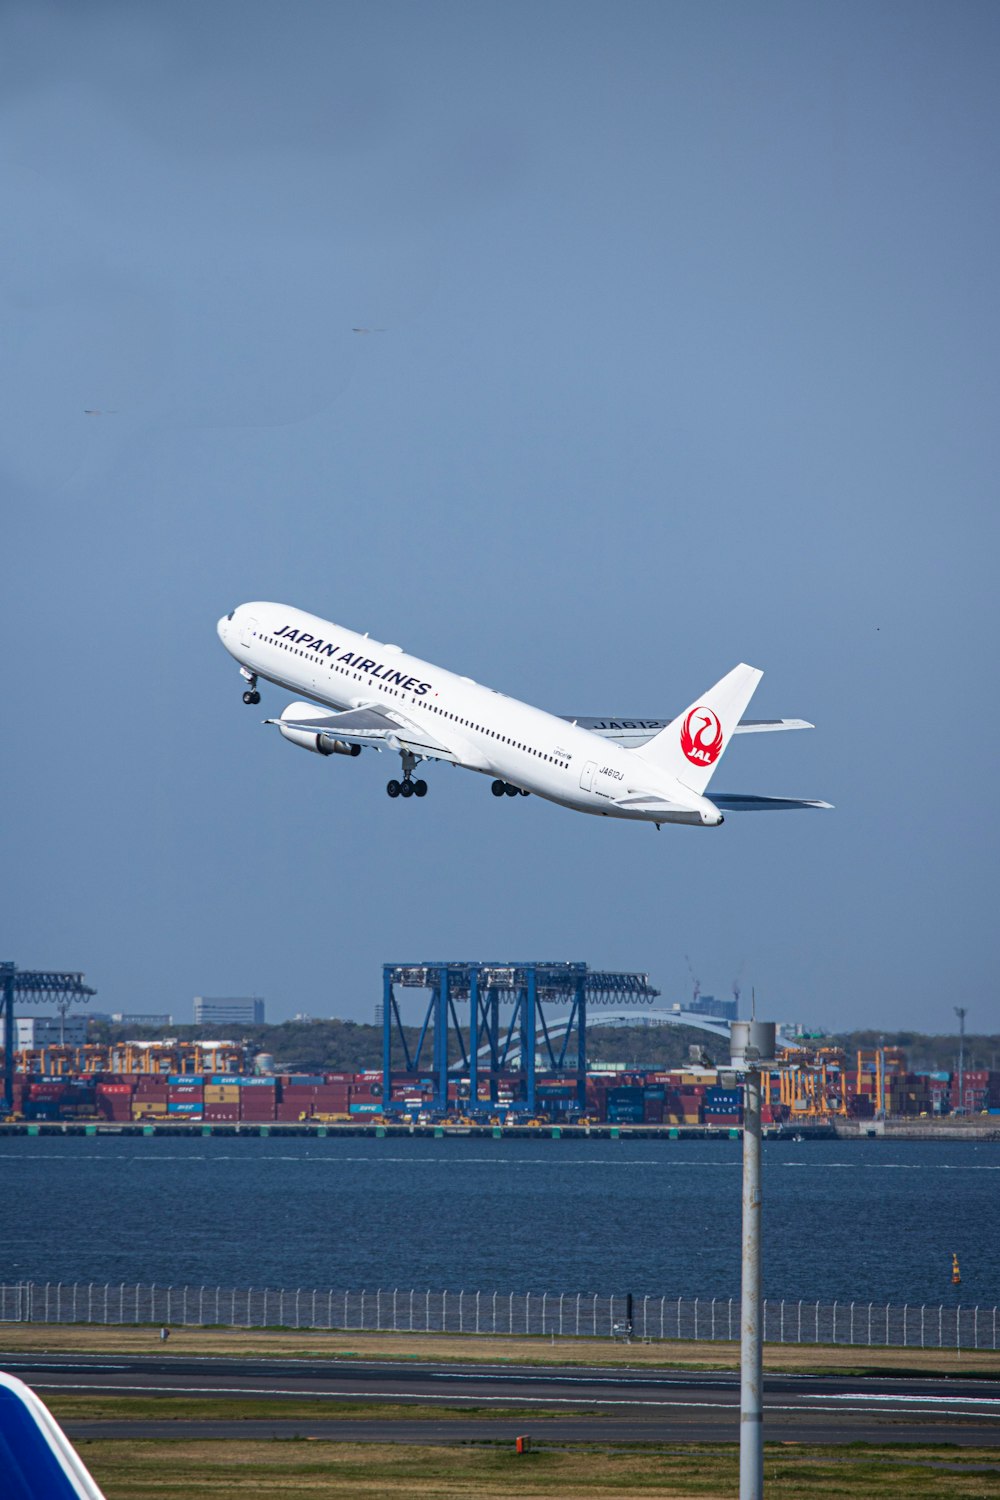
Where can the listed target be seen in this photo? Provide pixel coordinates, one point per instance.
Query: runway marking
(50, 1364)
(373, 1398)
(884, 1397)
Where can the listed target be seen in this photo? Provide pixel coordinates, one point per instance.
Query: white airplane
(650, 770)
(37, 1459)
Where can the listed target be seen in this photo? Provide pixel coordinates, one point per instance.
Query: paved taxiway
(580, 1403)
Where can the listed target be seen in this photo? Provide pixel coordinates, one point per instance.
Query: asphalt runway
(576, 1403)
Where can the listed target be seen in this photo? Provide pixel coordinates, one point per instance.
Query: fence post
(781, 1322)
(975, 1327)
(444, 1312)
(595, 1315)
(378, 1310)
(852, 1325)
(411, 1309)
(477, 1311)
(663, 1301)
(427, 1312)
(887, 1324)
(922, 1305)
(461, 1311)
(395, 1324)
(905, 1340)
(958, 1328)
(494, 1318)
(729, 1321)
(560, 1314)
(544, 1299)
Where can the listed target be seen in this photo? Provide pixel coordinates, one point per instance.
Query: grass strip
(230, 1343)
(251, 1408)
(306, 1470)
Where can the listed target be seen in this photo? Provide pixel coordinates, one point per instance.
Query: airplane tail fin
(37, 1459)
(692, 745)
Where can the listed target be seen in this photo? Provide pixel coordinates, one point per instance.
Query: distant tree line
(349, 1046)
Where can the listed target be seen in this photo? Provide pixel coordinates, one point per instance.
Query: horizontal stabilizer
(743, 802)
(631, 732)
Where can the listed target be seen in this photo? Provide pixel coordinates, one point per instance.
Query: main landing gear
(251, 695)
(504, 788)
(407, 787)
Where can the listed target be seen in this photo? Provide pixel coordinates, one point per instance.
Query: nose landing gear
(251, 695)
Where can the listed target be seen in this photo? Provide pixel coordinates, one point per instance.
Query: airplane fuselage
(485, 730)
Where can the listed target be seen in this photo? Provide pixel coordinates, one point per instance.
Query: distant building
(709, 1005)
(48, 1031)
(239, 1010)
(123, 1018)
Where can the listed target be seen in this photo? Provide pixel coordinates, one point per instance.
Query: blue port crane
(523, 994)
(33, 987)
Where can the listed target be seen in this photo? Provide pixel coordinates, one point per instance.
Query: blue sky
(687, 355)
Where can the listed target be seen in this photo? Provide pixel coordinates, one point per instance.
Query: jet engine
(318, 743)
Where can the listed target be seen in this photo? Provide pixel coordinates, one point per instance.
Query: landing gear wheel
(420, 789)
(498, 788)
(251, 697)
(511, 791)
(406, 790)
(524, 793)
(393, 788)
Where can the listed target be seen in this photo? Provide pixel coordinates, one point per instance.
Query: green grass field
(20, 1338)
(306, 1470)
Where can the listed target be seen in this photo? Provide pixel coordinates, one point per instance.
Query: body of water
(864, 1221)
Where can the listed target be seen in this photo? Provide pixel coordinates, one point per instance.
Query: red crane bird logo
(701, 736)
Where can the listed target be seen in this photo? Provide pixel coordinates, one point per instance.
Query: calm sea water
(865, 1221)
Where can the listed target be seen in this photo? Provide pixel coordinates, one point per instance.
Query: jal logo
(701, 736)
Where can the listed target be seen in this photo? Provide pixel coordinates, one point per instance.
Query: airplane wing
(635, 732)
(743, 802)
(373, 726)
(37, 1459)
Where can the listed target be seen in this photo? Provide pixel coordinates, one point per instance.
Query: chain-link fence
(544, 1314)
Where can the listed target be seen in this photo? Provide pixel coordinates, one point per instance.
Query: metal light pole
(960, 1011)
(752, 1045)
